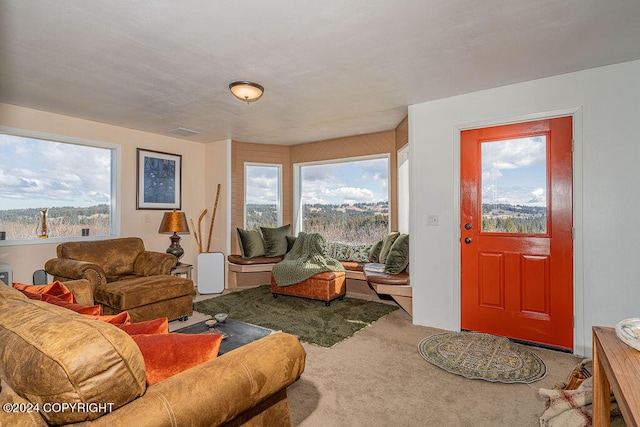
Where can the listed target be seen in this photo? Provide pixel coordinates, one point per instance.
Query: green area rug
(310, 320)
(482, 356)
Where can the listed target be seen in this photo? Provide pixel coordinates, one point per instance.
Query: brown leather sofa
(123, 276)
(57, 359)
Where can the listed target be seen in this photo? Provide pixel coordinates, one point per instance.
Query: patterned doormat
(482, 356)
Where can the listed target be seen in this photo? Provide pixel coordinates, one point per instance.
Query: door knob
(467, 240)
(467, 226)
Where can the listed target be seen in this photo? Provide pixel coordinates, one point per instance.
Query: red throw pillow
(156, 326)
(116, 319)
(166, 355)
(56, 288)
(94, 310)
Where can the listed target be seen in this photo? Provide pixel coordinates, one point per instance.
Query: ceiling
(330, 68)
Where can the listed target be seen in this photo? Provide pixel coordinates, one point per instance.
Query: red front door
(516, 231)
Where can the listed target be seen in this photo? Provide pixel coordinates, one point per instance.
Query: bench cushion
(382, 278)
(237, 259)
(353, 265)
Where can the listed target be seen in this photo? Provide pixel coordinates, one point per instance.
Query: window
(514, 185)
(347, 201)
(262, 191)
(71, 181)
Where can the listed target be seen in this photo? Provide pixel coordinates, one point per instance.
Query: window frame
(115, 211)
(297, 183)
(402, 189)
(278, 166)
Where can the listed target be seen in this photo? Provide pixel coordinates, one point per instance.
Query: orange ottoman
(325, 287)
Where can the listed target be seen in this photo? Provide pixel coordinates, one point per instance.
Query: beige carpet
(378, 378)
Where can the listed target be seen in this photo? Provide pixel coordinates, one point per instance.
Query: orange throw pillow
(56, 288)
(156, 326)
(94, 310)
(166, 355)
(116, 319)
(31, 295)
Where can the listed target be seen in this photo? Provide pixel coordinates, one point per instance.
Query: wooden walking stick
(204, 212)
(195, 233)
(213, 218)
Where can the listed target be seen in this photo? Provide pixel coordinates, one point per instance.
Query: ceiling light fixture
(246, 91)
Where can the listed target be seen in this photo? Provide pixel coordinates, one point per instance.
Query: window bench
(257, 271)
(250, 271)
(397, 286)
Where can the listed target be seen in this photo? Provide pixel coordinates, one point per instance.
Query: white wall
(196, 190)
(605, 103)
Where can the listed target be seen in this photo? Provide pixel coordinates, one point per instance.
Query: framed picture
(159, 180)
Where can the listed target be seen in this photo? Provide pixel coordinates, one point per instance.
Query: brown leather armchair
(103, 261)
(123, 276)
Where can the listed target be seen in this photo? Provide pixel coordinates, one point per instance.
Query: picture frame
(159, 180)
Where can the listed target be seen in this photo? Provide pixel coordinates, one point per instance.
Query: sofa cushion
(398, 258)
(387, 242)
(155, 326)
(275, 240)
(251, 243)
(131, 293)
(51, 354)
(166, 355)
(115, 256)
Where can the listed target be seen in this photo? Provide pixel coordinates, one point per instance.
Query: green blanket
(305, 259)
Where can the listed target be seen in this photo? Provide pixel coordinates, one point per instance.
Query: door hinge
(573, 233)
(573, 145)
(573, 322)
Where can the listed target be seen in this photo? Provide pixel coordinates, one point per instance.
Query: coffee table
(238, 333)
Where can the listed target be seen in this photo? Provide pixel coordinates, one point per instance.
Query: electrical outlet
(433, 220)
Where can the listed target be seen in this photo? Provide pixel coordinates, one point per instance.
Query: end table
(181, 269)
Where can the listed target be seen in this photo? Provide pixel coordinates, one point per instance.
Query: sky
(44, 174)
(514, 171)
(261, 184)
(362, 181)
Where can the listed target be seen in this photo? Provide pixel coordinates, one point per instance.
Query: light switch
(433, 220)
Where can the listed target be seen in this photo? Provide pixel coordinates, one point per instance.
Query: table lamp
(174, 222)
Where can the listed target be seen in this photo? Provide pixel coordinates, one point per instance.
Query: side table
(181, 269)
(615, 366)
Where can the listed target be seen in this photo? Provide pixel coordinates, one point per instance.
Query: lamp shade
(246, 91)
(174, 222)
